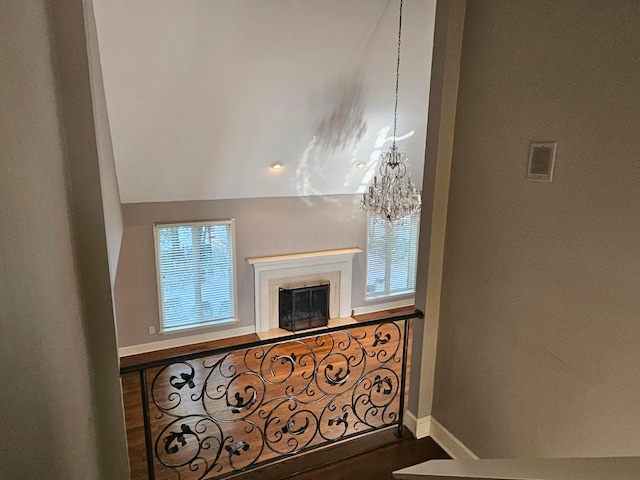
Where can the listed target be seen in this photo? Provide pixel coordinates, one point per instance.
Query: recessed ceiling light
(276, 165)
(361, 165)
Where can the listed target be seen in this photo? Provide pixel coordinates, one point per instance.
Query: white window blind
(392, 256)
(196, 274)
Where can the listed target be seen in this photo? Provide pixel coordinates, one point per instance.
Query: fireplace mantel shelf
(302, 256)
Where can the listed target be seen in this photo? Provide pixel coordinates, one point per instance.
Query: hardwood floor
(131, 360)
(140, 358)
(384, 313)
(377, 464)
(382, 449)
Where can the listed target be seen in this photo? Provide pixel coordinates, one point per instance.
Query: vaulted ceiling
(204, 95)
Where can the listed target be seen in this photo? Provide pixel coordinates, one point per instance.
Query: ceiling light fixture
(276, 165)
(393, 197)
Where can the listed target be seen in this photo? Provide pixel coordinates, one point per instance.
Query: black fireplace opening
(303, 306)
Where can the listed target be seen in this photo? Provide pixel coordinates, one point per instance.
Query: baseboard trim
(429, 426)
(182, 341)
(418, 426)
(378, 307)
(449, 443)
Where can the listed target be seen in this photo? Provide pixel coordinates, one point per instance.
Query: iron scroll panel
(213, 416)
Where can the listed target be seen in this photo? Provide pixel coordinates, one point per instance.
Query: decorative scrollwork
(291, 427)
(239, 447)
(380, 339)
(386, 381)
(382, 348)
(339, 420)
(169, 446)
(177, 376)
(187, 379)
(225, 413)
(339, 378)
(240, 403)
(189, 443)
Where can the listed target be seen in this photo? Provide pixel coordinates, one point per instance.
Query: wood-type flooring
(377, 464)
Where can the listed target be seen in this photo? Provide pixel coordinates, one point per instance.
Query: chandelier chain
(395, 196)
(395, 108)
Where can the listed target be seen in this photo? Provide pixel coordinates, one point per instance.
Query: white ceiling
(203, 95)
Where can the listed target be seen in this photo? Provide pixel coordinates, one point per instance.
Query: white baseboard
(407, 302)
(418, 426)
(429, 426)
(182, 341)
(450, 444)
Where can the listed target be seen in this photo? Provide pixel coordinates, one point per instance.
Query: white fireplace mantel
(336, 266)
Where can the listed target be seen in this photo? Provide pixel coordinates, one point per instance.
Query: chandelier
(393, 197)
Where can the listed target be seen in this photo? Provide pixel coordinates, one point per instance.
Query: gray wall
(443, 97)
(61, 408)
(75, 104)
(539, 347)
(108, 178)
(264, 226)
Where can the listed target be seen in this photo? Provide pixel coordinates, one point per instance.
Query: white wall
(539, 345)
(204, 95)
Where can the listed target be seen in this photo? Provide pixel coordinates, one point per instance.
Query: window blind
(392, 256)
(196, 277)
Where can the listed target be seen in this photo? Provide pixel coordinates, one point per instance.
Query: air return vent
(542, 156)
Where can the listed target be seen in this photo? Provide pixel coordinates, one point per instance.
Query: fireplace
(277, 271)
(303, 306)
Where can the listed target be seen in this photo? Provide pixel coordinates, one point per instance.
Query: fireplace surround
(273, 272)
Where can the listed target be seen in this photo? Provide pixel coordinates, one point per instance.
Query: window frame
(234, 283)
(388, 292)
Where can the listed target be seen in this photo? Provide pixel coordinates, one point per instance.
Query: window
(392, 256)
(196, 274)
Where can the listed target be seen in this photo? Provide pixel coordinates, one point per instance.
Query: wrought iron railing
(212, 414)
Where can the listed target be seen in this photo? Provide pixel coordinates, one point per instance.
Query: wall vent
(542, 157)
